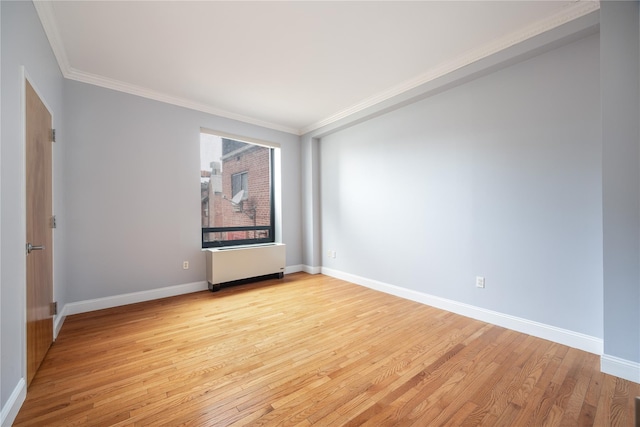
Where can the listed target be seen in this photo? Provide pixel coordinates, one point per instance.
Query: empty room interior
(320, 213)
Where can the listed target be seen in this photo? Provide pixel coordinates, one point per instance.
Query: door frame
(23, 209)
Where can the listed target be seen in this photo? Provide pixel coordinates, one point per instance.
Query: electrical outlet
(185, 265)
(331, 254)
(479, 282)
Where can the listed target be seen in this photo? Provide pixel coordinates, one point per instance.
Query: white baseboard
(131, 298)
(562, 336)
(312, 270)
(14, 403)
(134, 297)
(58, 320)
(293, 269)
(620, 368)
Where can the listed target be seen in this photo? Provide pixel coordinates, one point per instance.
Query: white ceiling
(289, 65)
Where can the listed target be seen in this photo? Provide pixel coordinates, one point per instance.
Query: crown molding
(120, 86)
(45, 12)
(569, 13)
(573, 11)
(44, 9)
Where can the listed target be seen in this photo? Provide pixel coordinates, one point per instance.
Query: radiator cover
(231, 264)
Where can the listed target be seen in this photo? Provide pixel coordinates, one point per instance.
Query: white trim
(23, 217)
(135, 297)
(44, 9)
(58, 320)
(247, 139)
(574, 11)
(23, 188)
(47, 18)
(143, 92)
(312, 270)
(562, 336)
(53, 234)
(2, 414)
(293, 269)
(14, 403)
(622, 368)
(132, 298)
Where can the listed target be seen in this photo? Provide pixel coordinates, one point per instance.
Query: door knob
(30, 248)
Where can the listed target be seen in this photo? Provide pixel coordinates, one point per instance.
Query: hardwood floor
(312, 350)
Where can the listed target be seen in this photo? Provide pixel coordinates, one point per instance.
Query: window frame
(271, 228)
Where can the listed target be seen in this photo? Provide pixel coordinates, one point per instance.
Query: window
(239, 182)
(236, 189)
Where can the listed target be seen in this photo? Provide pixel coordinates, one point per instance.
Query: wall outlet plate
(479, 282)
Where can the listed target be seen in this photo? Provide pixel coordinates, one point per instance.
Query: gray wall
(310, 199)
(24, 44)
(620, 74)
(126, 187)
(506, 176)
(134, 194)
(499, 177)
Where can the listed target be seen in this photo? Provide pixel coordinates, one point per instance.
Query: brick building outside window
(236, 191)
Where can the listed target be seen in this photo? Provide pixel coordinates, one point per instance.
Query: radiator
(226, 265)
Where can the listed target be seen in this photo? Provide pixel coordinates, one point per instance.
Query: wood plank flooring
(312, 350)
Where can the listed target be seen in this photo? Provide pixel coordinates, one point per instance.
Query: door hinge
(53, 135)
(54, 308)
(53, 222)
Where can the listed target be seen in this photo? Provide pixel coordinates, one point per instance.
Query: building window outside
(236, 188)
(239, 182)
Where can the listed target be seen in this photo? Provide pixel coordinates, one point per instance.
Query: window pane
(236, 186)
(226, 236)
(244, 183)
(240, 182)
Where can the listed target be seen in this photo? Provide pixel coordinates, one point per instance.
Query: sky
(210, 150)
